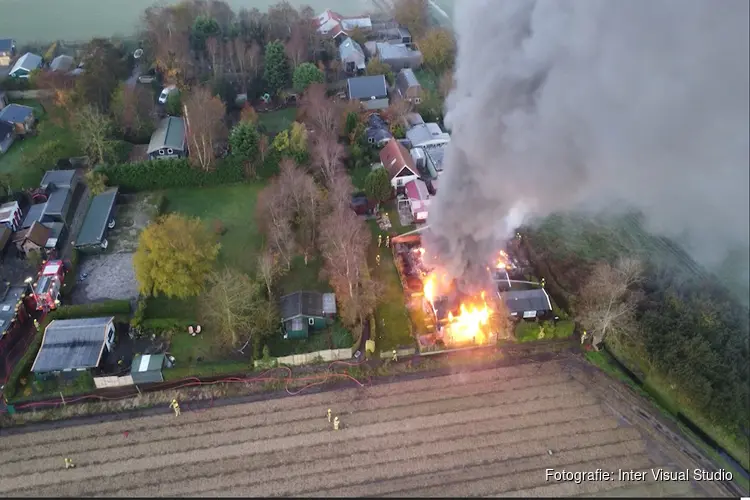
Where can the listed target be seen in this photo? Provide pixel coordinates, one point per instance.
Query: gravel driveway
(110, 276)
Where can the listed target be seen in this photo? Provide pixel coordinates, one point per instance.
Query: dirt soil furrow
(557, 420)
(361, 412)
(470, 471)
(369, 397)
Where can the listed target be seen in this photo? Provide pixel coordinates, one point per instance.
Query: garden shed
(305, 311)
(146, 368)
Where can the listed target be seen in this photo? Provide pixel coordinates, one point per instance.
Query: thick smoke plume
(588, 105)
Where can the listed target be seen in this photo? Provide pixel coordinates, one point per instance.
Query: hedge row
(162, 174)
(162, 324)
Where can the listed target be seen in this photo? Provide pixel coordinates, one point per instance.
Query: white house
(25, 65)
(419, 199)
(427, 135)
(398, 163)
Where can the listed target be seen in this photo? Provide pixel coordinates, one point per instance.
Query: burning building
(455, 315)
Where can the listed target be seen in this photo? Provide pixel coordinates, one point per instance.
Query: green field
(45, 20)
(11, 162)
(274, 122)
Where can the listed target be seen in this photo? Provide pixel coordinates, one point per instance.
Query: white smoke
(563, 105)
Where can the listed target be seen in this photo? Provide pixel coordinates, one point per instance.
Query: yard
(273, 122)
(427, 79)
(11, 162)
(393, 326)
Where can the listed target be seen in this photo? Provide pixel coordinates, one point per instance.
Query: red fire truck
(48, 284)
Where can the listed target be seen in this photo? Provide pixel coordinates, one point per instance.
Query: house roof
(519, 301)
(376, 121)
(7, 210)
(147, 363)
(413, 119)
(97, 217)
(367, 87)
(58, 178)
(34, 214)
(55, 229)
(169, 134)
(307, 304)
(70, 344)
(62, 63)
(417, 190)
(37, 234)
(395, 158)
(28, 61)
(56, 201)
(390, 51)
(10, 297)
(425, 132)
(5, 129)
(407, 78)
(351, 51)
(350, 23)
(7, 44)
(436, 154)
(15, 113)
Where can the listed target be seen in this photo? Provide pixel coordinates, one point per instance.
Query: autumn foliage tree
(206, 128)
(377, 67)
(93, 130)
(414, 14)
(438, 49)
(133, 112)
(175, 254)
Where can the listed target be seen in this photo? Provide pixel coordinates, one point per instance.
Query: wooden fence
(311, 357)
(106, 382)
(29, 94)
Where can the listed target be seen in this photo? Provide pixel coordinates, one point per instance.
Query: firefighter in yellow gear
(69, 464)
(336, 423)
(377, 259)
(395, 355)
(388, 241)
(380, 240)
(329, 415)
(174, 405)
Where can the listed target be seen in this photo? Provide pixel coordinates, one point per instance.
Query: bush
(71, 274)
(23, 366)
(162, 174)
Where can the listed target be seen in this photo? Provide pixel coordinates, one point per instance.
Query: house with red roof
(398, 163)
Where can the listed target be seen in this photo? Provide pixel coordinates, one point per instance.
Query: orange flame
(502, 261)
(471, 322)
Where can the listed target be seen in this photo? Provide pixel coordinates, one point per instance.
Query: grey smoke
(588, 105)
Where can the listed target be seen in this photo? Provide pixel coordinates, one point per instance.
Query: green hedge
(71, 275)
(23, 366)
(162, 174)
(528, 331)
(92, 310)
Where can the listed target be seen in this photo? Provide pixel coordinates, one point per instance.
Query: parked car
(169, 89)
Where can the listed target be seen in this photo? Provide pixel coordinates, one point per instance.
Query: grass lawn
(335, 336)
(392, 324)
(274, 122)
(529, 331)
(358, 176)
(303, 277)
(427, 79)
(234, 206)
(10, 162)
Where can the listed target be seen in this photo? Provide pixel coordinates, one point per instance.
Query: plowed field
(485, 433)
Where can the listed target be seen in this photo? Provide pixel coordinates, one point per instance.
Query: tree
(133, 112)
(280, 19)
(93, 132)
(280, 142)
(343, 243)
(298, 142)
(438, 48)
(248, 115)
(206, 129)
(96, 182)
(204, 28)
(105, 68)
(305, 75)
(378, 186)
(340, 191)
(244, 141)
(167, 32)
(214, 48)
(234, 303)
(248, 57)
(175, 254)
(303, 202)
(318, 111)
(397, 111)
(446, 84)
(46, 156)
(376, 67)
(607, 301)
(414, 14)
(296, 47)
(174, 104)
(358, 36)
(328, 157)
(431, 107)
(274, 218)
(276, 71)
(268, 269)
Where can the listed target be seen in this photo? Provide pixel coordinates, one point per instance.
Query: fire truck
(48, 285)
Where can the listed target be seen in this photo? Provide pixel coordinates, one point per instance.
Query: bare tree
(268, 269)
(248, 59)
(414, 14)
(290, 182)
(167, 35)
(273, 215)
(281, 16)
(328, 157)
(205, 126)
(296, 47)
(318, 111)
(93, 129)
(340, 192)
(311, 197)
(608, 302)
(398, 111)
(214, 51)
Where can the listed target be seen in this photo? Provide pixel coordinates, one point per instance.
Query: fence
(408, 351)
(310, 357)
(29, 94)
(106, 382)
